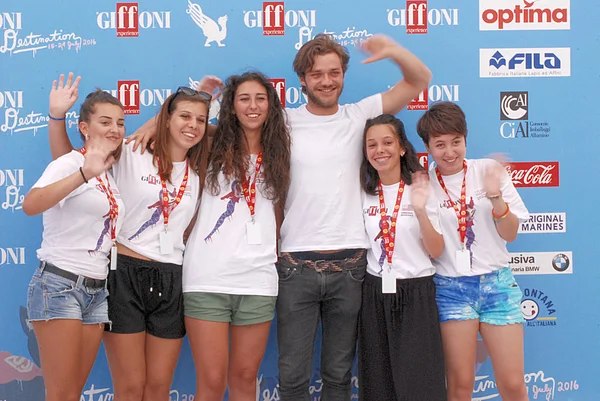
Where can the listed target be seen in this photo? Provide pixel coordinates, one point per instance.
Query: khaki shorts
(239, 310)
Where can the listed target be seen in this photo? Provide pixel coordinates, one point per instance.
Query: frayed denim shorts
(52, 296)
(493, 298)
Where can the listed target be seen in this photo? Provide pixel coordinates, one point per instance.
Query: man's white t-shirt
(487, 248)
(323, 209)
(77, 230)
(218, 258)
(141, 191)
(410, 259)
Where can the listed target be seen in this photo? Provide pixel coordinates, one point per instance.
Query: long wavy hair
(197, 154)
(409, 163)
(230, 152)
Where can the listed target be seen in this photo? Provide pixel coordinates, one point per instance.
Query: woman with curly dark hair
(229, 280)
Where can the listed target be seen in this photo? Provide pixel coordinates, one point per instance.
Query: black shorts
(400, 354)
(146, 296)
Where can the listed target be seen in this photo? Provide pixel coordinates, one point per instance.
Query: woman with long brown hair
(160, 189)
(230, 282)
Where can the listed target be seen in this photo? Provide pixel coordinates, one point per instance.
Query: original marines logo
(14, 42)
(537, 308)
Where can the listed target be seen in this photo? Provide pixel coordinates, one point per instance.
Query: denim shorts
(54, 297)
(493, 298)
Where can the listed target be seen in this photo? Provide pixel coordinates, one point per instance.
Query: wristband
(83, 175)
(56, 119)
(492, 197)
(503, 215)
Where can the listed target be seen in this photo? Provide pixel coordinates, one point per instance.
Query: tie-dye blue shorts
(493, 298)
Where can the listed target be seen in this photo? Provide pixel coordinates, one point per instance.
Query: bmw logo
(561, 262)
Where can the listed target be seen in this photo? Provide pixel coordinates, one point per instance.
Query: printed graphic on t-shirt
(234, 198)
(379, 237)
(470, 236)
(106, 228)
(156, 214)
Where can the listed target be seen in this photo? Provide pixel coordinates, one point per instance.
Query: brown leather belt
(326, 265)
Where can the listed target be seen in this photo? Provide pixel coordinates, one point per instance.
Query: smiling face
(448, 152)
(324, 84)
(187, 124)
(530, 309)
(383, 149)
(251, 105)
(106, 124)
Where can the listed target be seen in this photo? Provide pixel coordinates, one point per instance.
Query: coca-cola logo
(534, 174)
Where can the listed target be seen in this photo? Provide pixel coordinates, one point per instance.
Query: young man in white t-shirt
(323, 258)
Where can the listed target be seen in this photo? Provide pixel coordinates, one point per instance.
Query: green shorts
(239, 310)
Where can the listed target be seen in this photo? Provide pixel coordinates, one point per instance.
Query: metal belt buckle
(319, 269)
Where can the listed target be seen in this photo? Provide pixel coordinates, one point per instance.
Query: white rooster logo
(210, 29)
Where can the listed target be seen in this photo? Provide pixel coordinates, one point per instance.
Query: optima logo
(514, 15)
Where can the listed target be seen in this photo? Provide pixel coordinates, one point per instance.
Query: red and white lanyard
(250, 190)
(112, 201)
(462, 213)
(166, 208)
(389, 230)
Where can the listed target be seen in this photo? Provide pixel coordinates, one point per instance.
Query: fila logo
(279, 85)
(273, 17)
(129, 95)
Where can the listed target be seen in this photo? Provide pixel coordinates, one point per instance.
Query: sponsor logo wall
(488, 57)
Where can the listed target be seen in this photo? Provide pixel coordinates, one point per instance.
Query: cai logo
(514, 112)
(534, 62)
(12, 181)
(514, 106)
(417, 17)
(537, 308)
(561, 262)
(519, 15)
(127, 20)
(435, 93)
(213, 31)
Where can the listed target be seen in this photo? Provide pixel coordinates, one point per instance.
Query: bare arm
(416, 75)
(421, 202)
(62, 97)
(507, 226)
(38, 200)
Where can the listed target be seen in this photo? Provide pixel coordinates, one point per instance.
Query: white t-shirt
(410, 258)
(218, 258)
(488, 249)
(324, 202)
(77, 235)
(141, 191)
